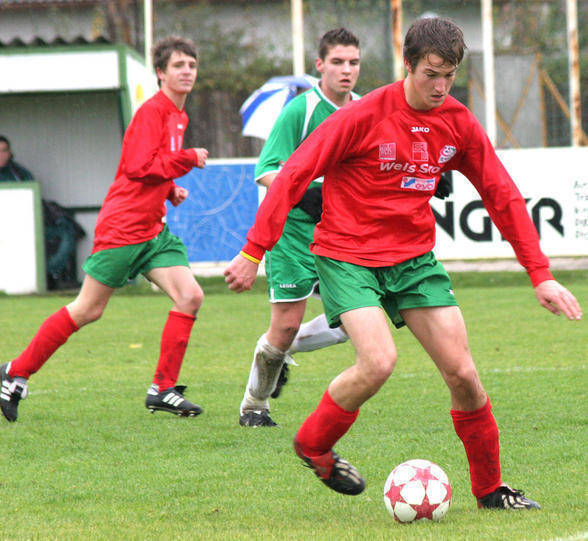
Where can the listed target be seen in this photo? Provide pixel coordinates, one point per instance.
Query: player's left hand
(178, 195)
(240, 274)
(557, 299)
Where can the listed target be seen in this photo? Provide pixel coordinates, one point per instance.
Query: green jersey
(289, 266)
(296, 121)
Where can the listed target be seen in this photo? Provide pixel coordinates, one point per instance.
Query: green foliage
(228, 61)
(87, 461)
(232, 65)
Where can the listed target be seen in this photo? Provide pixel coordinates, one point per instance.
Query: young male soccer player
(131, 238)
(381, 158)
(290, 266)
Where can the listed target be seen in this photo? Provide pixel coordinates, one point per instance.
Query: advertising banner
(223, 200)
(554, 183)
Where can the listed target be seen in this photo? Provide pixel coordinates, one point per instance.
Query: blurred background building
(69, 134)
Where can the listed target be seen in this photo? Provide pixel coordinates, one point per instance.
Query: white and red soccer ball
(417, 490)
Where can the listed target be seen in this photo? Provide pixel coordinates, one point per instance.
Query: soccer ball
(417, 490)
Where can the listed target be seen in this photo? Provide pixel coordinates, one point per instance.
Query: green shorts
(114, 267)
(290, 270)
(416, 283)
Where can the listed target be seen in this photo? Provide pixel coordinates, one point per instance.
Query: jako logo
(423, 129)
(421, 184)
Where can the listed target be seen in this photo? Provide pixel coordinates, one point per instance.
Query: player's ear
(319, 64)
(407, 66)
(160, 73)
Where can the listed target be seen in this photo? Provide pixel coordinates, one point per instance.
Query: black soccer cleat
(282, 380)
(171, 400)
(256, 418)
(12, 392)
(505, 497)
(333, 471)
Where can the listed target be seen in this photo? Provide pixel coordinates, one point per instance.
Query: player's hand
(178, 195)
(240, 274)
(202, 155)
(557, 299)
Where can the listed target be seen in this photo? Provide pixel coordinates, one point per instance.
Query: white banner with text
(553, 181)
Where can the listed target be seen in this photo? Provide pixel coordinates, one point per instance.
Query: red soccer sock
(174, 342)
(324, 427)
(52, 334)
(479, 433)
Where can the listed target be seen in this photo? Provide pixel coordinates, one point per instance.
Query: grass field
(87, 461)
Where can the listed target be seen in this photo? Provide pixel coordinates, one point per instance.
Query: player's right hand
(202, 155)
(240, 274)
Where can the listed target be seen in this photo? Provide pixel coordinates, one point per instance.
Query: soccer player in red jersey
(381, 158)
(131, 237)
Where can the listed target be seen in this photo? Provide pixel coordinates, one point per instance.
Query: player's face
(339, 71)
(428, 84)
(180, 74)
(4, 154)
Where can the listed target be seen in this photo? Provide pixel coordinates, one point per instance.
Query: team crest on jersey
(387, 152)
(420, 184)
(447, 153)
(420, 152)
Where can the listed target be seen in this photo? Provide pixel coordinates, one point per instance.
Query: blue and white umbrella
(260, 110)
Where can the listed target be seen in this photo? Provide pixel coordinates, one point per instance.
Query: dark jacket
(14, 172)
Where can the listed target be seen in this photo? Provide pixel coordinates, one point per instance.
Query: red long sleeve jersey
(381, 161)
(151, 157)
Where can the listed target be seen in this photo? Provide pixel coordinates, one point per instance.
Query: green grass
(87, 461)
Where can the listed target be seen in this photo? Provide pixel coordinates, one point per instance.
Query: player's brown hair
(163, 49)
(337, 36)
(434, 35)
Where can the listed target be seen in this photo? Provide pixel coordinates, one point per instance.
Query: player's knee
(190, 301)
(89, 315)
(379, 369)
(281, 334)
(463, 379)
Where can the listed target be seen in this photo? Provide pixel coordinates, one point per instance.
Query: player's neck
(178, 99)
(338, 99)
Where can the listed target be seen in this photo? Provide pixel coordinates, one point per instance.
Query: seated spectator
(62, 233)
(10, 171)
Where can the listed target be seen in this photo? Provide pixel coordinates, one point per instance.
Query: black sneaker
(11, 393)
(505, 497)
(171, 400)
(256, 418)
(333, 471)
(282, 380)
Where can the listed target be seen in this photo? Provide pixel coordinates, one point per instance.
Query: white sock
(265, 369)
(316, 334)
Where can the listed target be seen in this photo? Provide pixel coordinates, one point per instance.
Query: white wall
(70, 142)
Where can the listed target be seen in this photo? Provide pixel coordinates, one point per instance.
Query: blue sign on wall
(219, 210)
